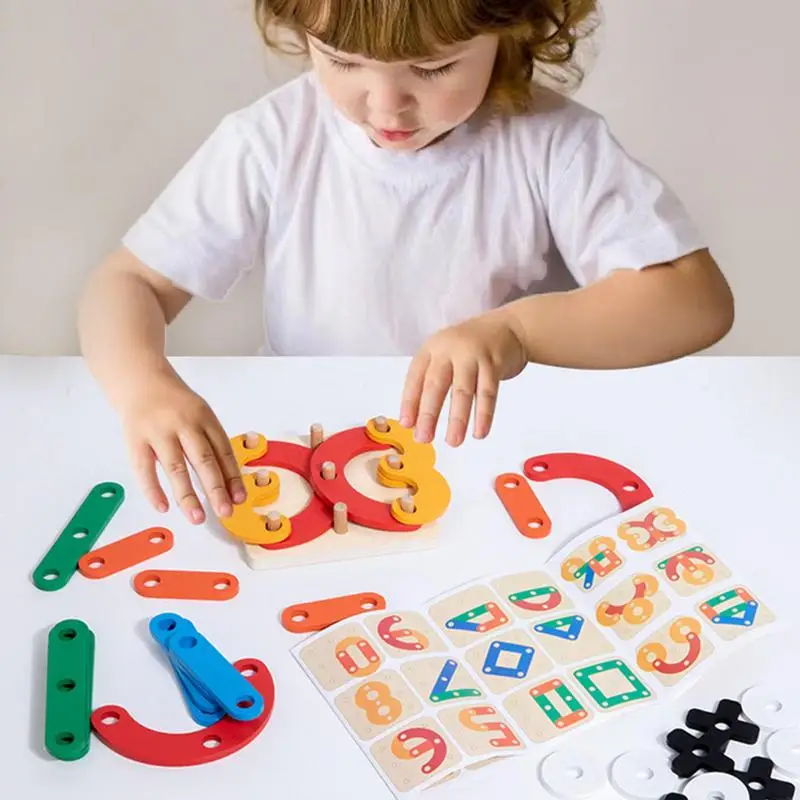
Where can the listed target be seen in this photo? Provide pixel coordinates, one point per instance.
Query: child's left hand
(468, 360)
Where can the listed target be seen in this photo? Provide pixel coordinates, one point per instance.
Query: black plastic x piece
(674, 796)
(725, 719)
(695, 753)
(760, 783)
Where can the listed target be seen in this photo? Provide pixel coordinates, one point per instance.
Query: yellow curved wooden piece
(249, 526)
(246, 454)
(431, 490)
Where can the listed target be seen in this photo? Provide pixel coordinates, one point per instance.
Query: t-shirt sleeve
(203, 231)
(608, 211)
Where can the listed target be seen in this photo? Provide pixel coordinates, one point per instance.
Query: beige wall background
(103, 100)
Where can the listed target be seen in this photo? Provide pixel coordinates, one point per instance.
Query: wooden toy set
(629, 613)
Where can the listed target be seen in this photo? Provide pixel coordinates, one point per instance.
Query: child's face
(406, 105)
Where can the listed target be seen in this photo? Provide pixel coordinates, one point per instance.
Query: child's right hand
(166, 421)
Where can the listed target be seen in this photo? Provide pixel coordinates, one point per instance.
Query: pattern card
(612, 685)
(415, 754)
(441, 680)
(735, 612)
(505, 662)
(571, 638)
(631, 605)
(691, 570)
(377, 704)
(481, 730)
(405, 634)
(674, 650)
(651, 529)
(548, 709)
(532, 594)
(343, 654)
(591, 563)
(470, 615)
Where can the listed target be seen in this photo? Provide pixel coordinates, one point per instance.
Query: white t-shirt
(368, 252)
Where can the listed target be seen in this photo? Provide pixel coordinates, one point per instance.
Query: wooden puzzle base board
(358, 542)
(630, 613)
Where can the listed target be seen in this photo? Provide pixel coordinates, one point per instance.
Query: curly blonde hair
(538, 38)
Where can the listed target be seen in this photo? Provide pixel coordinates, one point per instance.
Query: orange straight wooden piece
(168, 584)
(321, 614)
(125, 553)
(523, 506)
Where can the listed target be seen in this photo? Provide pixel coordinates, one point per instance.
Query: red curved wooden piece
(128, 738)
(316, 518)
(340, 449)
(629, 489)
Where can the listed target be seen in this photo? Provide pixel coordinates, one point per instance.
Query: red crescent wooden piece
(128, 738)
(316, 518)
(340, 449)
(629, 489)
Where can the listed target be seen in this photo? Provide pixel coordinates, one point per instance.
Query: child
(417, 192)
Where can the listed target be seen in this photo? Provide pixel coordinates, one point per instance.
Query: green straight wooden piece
(77, 539)
(70, 680)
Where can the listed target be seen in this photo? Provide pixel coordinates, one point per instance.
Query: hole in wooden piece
(328, 471)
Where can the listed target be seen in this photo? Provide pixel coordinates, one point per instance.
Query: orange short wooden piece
(125, 553)
(186, 585)
(321, 614)
(523, 506)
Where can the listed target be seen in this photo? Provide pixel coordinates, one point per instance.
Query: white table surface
(721, 437)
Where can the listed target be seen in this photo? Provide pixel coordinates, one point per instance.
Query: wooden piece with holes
(186, 585)
(249, 446)
(523, 506)
(321, 614)
(126, 553)
(414, 469)
(117, 729)
(249, 526)
(628, 488)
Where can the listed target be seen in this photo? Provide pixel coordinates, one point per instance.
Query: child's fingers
(412, 390)
(462, 395)
(203, 458)
(227, 461)
(438, 379)
(172, 458)
(486, 400)
(144, 465)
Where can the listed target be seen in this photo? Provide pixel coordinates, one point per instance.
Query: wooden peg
(263, 477)
(340, 517)
(317, 435)
(381, 424)
(407, 504)
(394, 461)
(328, 470)
(273, 520)
(251, 440)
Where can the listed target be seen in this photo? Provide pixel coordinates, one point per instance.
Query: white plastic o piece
(770, 709)
(783, 747)
(572, 774)
(643, 775)
(718, 785)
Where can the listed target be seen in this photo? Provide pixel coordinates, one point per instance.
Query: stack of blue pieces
(212, 687)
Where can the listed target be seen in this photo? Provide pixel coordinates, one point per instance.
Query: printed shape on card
(531, 594)
(405, 633)
(470, 615)
(440, 680)
(658, 526)
(631, 604)
(734, 612)
(548, 709)
(507, 660)
(341, 656)
(571, 638)
(418, 752)
(481, 730)
(591, 563)
(674, 651)
(691, 570)
(612, 685)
